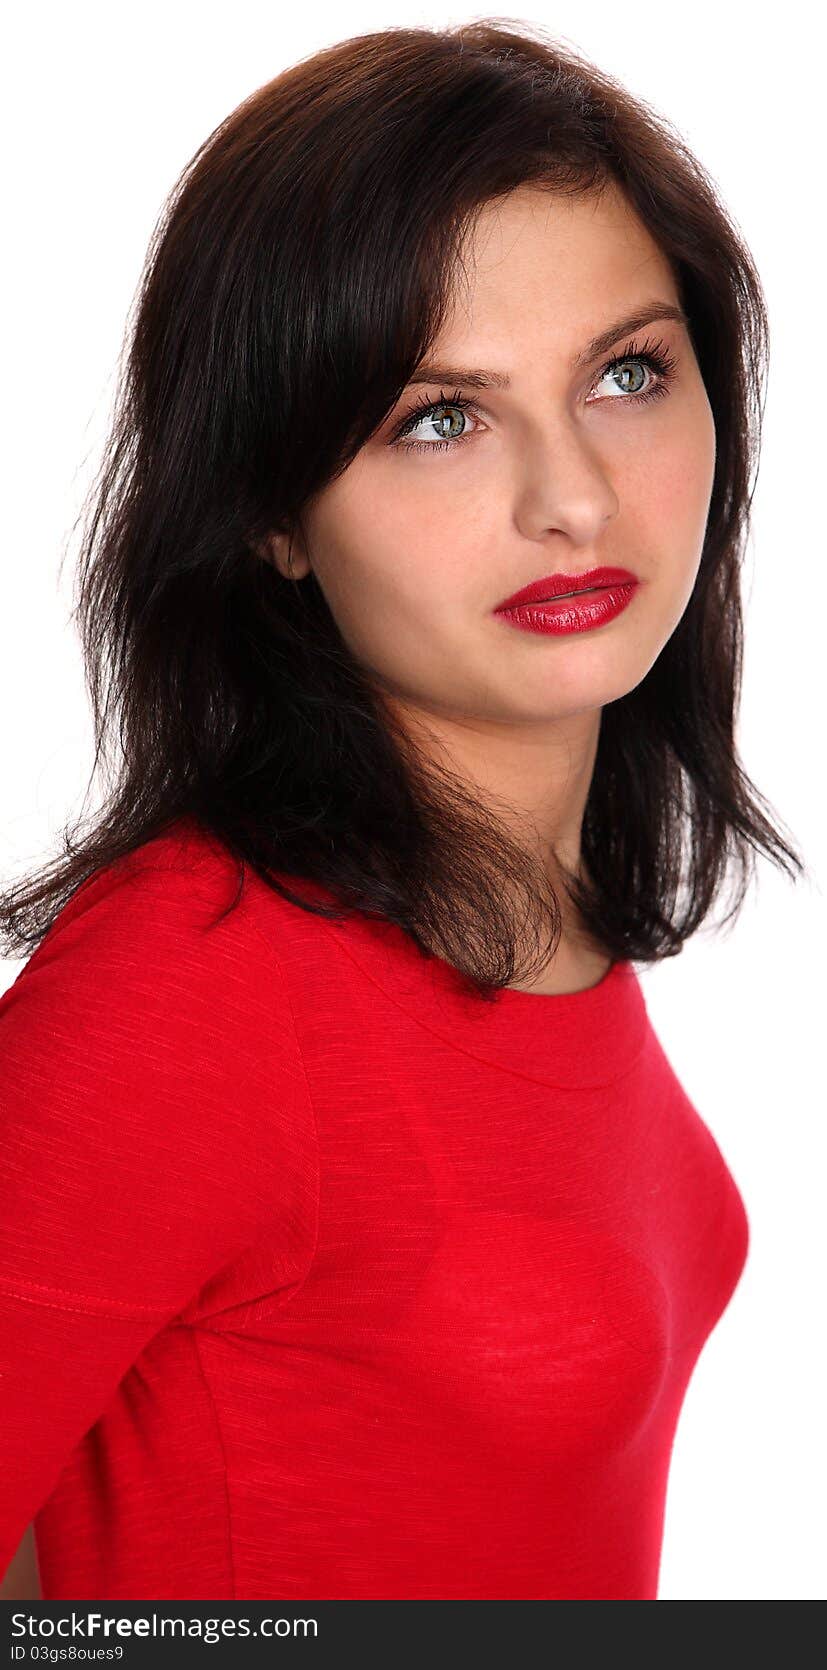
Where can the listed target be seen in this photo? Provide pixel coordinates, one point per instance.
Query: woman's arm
(154, 1123)
(22, 1579)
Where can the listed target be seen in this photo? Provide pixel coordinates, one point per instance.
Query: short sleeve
(155, 1123)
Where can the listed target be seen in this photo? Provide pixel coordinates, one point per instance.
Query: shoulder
(185, 861)
(155, 1118)
(143, 996)
(176, 887)
(162, 932)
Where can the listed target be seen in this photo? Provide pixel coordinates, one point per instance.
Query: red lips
(555, 585)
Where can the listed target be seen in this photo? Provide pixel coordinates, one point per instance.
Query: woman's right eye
(451, 413)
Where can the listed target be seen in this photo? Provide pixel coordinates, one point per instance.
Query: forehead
(536, 254)
(603, 214)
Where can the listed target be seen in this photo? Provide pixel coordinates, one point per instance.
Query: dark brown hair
(302, 266)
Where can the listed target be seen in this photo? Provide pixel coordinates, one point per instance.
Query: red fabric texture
(321, 1278)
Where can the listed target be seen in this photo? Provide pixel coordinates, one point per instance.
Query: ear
(276, 548)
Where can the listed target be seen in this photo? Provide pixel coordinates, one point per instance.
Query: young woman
(357, 1239)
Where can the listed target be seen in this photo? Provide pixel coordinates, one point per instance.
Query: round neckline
(577, 1040)
(515, 991)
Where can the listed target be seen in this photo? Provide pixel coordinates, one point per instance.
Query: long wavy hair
(301, 267)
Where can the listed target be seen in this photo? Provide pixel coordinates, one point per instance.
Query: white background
(102, 106)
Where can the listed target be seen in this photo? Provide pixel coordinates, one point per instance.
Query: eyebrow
(479, 378)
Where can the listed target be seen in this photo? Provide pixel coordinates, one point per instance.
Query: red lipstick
(562, 603)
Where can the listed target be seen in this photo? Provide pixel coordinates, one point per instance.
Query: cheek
(424, 505)
(401, 548)
(670, 486)
(391, 570)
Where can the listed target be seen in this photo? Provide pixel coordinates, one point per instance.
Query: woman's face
(561, 470)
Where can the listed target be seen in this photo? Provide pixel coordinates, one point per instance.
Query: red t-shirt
(320, 1278)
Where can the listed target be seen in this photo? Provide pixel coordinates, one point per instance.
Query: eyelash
(655, 355)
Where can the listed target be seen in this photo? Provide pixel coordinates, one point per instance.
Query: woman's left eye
(652, 369)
